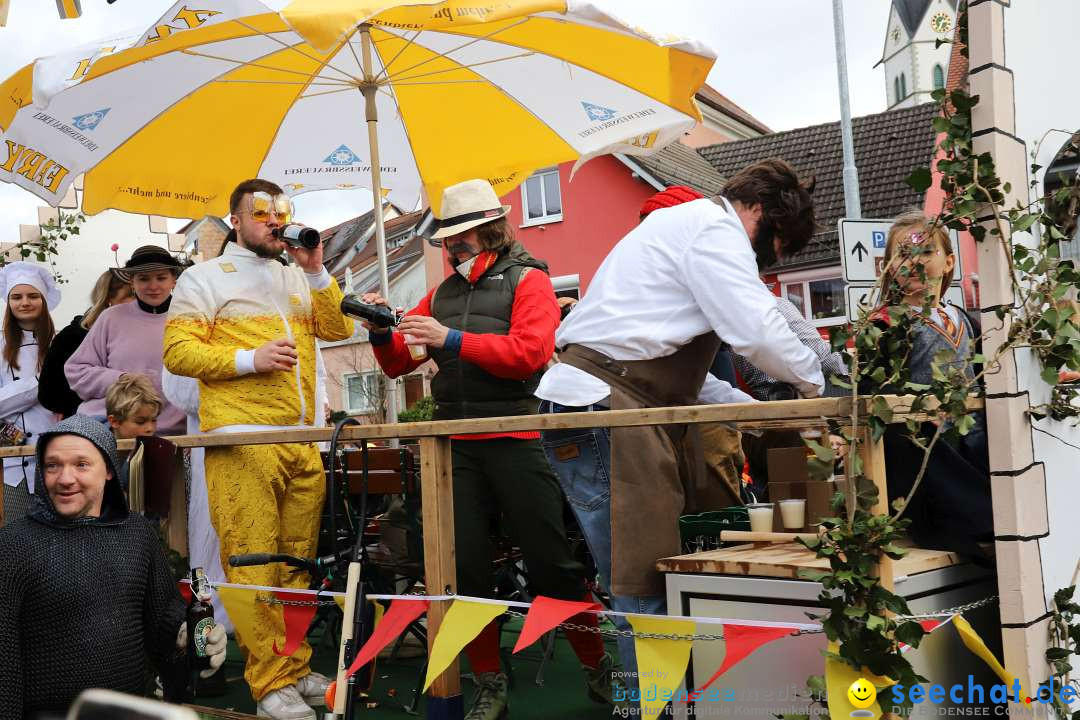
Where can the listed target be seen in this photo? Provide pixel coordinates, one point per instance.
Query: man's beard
(452, 251)
(762, 243)
(262, 248)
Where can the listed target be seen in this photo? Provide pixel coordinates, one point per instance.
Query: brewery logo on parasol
(73, 131)
(90, 120)
(341, 160)
(34, 166)
(597, 113)
(608, 118)
(342, 156)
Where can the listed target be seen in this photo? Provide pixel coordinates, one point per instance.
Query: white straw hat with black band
(466, 205)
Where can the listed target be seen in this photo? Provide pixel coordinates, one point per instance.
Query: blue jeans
(581, 459)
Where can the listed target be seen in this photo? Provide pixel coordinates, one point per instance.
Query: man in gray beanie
(86, 595)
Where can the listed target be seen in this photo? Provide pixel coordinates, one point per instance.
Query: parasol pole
(369, 87)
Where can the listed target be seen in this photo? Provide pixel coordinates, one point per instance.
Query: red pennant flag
(547, 613)
(394, 622)
(297, 619)
(931, 625)
(740, 641)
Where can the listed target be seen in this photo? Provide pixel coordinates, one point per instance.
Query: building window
(361, 392)
(939, 77)
(541, 198)
(820, 296)
(896, 90)
(903, 86)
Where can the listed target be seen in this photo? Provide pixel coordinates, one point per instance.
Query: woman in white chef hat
(30, 293)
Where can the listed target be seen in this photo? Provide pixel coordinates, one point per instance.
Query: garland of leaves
(46, 247)
(1064, 642)
(1042, 318)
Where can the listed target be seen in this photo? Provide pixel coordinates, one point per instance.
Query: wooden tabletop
(784, 560)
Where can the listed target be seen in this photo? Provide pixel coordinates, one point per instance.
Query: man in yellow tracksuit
(246, 325)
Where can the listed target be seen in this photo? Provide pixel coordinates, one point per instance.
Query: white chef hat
(36, 276)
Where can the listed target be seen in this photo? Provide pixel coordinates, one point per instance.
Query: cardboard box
(788, 478)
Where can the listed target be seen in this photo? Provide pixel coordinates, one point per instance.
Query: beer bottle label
(202, 633)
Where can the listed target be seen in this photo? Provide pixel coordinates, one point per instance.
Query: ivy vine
(1043, 317)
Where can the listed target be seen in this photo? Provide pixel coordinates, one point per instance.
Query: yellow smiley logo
(862, 694)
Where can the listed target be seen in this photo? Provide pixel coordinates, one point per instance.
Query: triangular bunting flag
(547, 613)
(740, 641)
(464, 621)
(928, 627)
(665, 660)
(839, 676)
(240, 605)
(397, 618)
(297, 619)
(975, 644)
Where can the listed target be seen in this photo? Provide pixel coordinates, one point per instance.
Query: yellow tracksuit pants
(267, 499)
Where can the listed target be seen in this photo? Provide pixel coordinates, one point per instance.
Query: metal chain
(615, 633)
(265, 600)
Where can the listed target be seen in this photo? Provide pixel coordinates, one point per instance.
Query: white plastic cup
(417, 352)
(761, 517)
(793, 513)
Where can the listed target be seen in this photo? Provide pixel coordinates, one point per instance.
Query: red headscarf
(674, 195)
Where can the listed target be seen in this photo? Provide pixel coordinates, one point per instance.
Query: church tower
(914, 67)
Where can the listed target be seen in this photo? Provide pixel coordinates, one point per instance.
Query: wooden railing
(437, 466)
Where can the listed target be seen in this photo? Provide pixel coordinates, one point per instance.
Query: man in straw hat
(490, 327)
(245, 325)
(694, 269)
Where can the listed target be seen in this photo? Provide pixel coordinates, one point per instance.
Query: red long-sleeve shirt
(517, 355)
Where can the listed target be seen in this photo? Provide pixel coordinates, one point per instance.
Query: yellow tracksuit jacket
(225, 308)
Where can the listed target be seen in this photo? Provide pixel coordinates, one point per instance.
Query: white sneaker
(285, 704)
(312, 687)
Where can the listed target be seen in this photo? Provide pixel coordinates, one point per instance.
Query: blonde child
(132, 406)
(951, 509)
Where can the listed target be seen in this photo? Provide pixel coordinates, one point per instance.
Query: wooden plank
(219, 714)
(796, 414)
(767, 537)
(873, 458)
(440, 574)
(785, 561)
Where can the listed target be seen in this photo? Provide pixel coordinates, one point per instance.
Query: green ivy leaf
(920, 180)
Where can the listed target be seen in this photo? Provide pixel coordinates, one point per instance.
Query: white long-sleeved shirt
(682, 272)
(19, 404)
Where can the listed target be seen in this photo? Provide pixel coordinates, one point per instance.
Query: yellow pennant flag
(661, 664)
(243, 610)
(839, 679)
(68, 9)
(462, 623)
(975, 644)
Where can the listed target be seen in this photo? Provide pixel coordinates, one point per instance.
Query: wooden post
(873, 458)
(1017, 481)
(440, 575)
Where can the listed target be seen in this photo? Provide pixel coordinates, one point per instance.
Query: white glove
(216, 643)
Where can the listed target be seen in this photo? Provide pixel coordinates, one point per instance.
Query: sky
(775, 58)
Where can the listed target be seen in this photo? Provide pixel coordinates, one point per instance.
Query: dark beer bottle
(200, 621)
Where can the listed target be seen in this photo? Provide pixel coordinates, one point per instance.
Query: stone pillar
(1020, 514)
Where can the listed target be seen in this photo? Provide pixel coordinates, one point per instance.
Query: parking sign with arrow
(862, 249)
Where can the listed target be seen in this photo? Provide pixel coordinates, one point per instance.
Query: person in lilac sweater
(128, 338)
